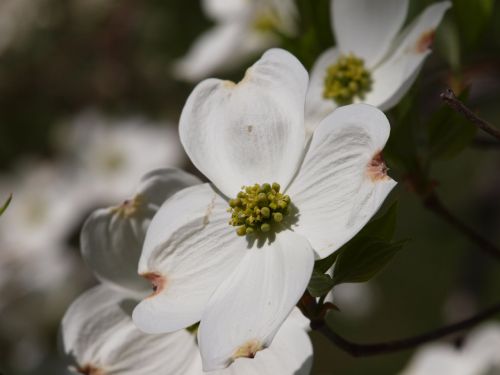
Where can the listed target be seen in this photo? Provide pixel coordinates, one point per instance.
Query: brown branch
(449, 98)
(433, 203)
(365, 350)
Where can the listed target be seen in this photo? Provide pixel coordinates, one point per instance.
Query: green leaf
(472, 17)
(382, 227)
(448, 132)
(448, 43)
(363, 258)
(320, 284)
(325, 264)
(5, 205)
(400, 152)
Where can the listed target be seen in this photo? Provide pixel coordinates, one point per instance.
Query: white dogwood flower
(34, 230)
(112, 238)
(240, 251)
(243, 28)
(99, 337)
(478, 356)
(373, 61)
(108, 155)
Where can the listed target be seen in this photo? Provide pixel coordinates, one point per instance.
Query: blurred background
(90, 95)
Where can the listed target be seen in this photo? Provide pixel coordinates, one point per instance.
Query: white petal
(335, 191)
(393, 78)
(481, 346)
(213, 50)
(248, 308)
(98, 333)
(224, 10)
(250, 132)
(159, 185)
(317, 107)
(189, 249)
(367, 28)
(111, 242)
(290, 353)
(439, 359)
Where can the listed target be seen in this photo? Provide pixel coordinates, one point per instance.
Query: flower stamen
(346, 80)
(129, 207)
(257, 208)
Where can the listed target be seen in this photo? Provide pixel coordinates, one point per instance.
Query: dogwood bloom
(99, 337)
(373, 61)
(478, 356)
(110, 155)
(241, 250)
(112, 238)
(243, 28)
(35, 228)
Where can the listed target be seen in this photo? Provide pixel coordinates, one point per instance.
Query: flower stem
(449, 98)
(364, 350)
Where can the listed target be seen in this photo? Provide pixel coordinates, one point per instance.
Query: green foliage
(5, 205)
(448, 43)
(472, 18)
(361, 258)
(401, 151)
(448, 133)
(320, 284)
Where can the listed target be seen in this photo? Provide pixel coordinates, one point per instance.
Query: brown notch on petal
(157, 281)
(376, 169)
(89, 370)
(425, 41)
(248, 350)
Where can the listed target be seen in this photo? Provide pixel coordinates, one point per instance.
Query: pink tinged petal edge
(342, 181)
(186, 258)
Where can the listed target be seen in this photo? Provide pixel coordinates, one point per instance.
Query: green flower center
(266, 21)
(258, 208)
(346, 80)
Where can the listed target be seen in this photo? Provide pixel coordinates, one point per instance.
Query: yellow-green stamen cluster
(266, 21)
(347, 79)
(257, 208)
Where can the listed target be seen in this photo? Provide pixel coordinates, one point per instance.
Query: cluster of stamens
(266, 21)
(347, 79)
(257, 208)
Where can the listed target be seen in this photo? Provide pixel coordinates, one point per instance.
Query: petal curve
(367, 27)
(394, 77)
(111, 238)
(189, 250)
(98, 336)
(342, 181)
(249, 132)
(247, 309)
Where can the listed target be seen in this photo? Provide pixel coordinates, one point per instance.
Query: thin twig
(485, 144)
(365, 350)
(433, 203)
(449, 98)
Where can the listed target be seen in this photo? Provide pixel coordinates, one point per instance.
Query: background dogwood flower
(478, 356)
(108, 155)
(112, 238)
(34, 230)
(373, 61)
(98, 336)
(242, 288)
(242, 29)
